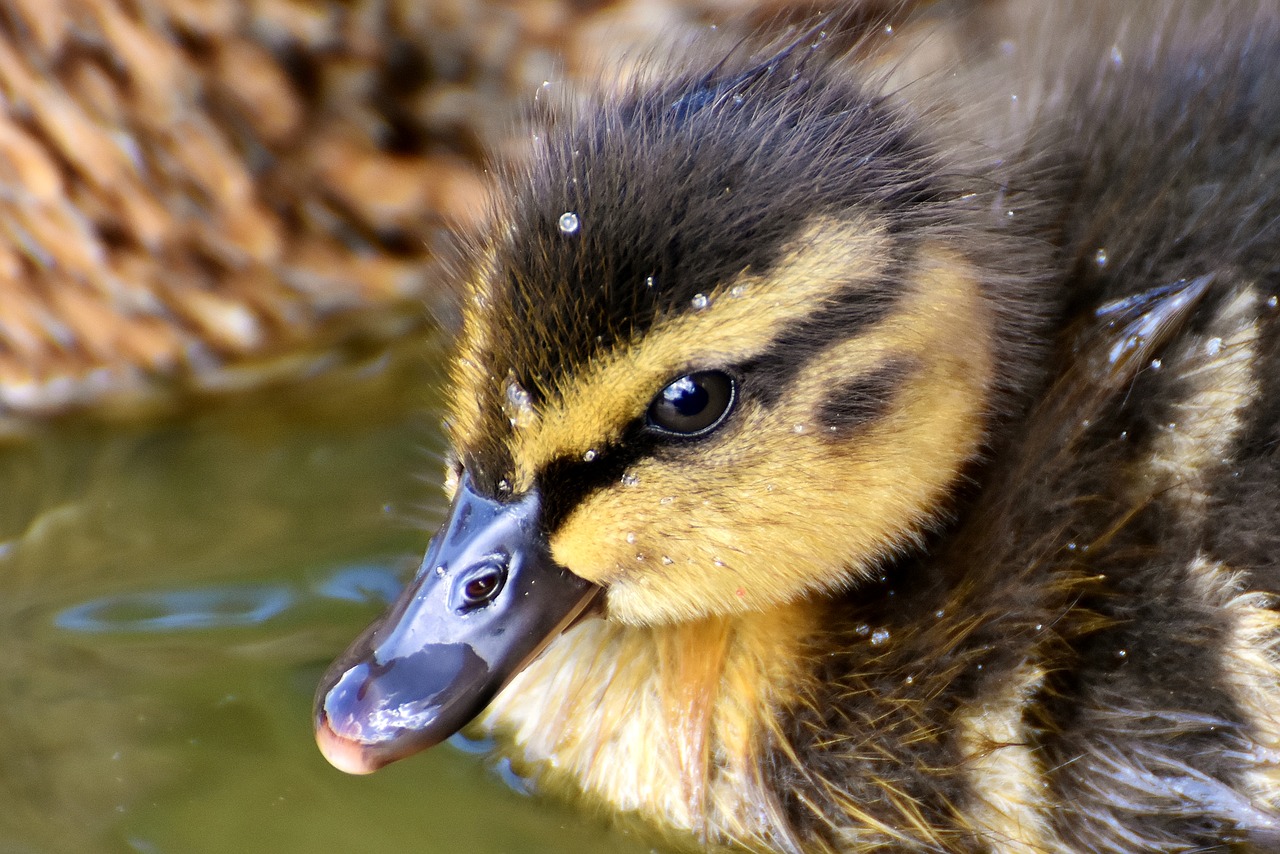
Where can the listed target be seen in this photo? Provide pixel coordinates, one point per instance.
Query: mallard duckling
(825, 481)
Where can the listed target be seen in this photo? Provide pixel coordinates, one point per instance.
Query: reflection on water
(227, 605)
(179, 610)
(169, 596)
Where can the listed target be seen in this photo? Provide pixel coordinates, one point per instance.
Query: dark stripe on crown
(689, 198)
(676, 192)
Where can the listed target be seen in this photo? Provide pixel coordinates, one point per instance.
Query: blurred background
(221, 232)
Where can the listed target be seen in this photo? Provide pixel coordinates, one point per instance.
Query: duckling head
(733, 341)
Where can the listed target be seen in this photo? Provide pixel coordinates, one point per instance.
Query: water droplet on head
(799, 428)
(939, 613)
(629, 479)
(700, 301)
(910, 680)
(504, 485)
(589, 455)
(648, 281)
(1273, 301)
(440, 570)
(879, 636)
(667, 500)
(717, 561)
(569, 223)
(1213, 346)
(1009, 214)
(888, 29)
(862, 630)
(1155, 364)
(1100, 257)
(737, 291)
(631, 536)
(517, 405)
(666, 561)
(1117, 58)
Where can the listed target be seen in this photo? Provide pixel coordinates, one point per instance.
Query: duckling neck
(671, 722)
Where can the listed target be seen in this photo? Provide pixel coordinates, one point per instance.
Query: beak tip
(343, 753)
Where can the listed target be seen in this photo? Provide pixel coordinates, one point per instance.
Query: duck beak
(485, 601)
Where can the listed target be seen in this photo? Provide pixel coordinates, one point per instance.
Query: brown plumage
(885, 461)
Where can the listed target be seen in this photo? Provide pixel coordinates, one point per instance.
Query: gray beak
(485, 601)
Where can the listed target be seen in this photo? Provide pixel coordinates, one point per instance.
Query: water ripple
(225, 606)
(179, 610)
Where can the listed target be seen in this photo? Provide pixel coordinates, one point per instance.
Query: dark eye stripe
(859, 401)
(565, 482)
(852, 405)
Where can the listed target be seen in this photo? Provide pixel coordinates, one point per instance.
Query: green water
(171, 592)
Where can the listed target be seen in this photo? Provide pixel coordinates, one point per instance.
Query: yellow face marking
(739, 321)
(770, 508)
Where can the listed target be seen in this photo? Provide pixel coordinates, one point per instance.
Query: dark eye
(693, 404)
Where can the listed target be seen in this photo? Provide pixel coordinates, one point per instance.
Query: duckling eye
(693, 404)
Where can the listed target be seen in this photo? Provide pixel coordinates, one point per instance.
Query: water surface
(170, 594)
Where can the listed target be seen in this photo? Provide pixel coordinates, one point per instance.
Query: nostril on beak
(481, 584)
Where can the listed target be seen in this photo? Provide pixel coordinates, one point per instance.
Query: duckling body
(927, 490)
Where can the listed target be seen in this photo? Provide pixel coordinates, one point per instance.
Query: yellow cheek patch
(777, 507)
